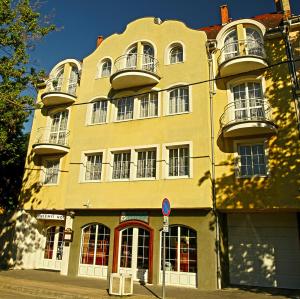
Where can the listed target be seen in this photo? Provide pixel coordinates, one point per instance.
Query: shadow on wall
(19, 231)
(279, 190)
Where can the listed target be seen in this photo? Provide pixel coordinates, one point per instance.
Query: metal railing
(246, 110)
(143, 62)
(52, 137)
(54, 85)
(242, 48)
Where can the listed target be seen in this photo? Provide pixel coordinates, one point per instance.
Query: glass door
(58, 129)
(134, 253)
(53, 251)
(148, 58)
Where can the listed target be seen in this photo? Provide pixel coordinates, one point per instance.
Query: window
(254, 43)
(131, 58)
(95, 245)
(179, 100)
(121, 165)
(99, 112)
(149, 105)
(181, 250)
(146, 164)
(106, 68)
(125, 108)
(248, 101)
(179, 161)
(58, 129)
(251, 160)
(58, 80)
(176, 54)
(148, 58)
(93, 167)
(231, 46)
(51, 171)
(73, 81)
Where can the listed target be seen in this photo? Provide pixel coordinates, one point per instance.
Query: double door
(134, 253)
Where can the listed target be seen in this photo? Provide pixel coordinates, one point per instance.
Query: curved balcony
(133, 70)
(241, 56)
(247, 117)
(56, 94)
(50, 142)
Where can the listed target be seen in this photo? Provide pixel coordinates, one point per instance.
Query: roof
(269, 20)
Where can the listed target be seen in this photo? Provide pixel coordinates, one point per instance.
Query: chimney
(99, 40)
(283, 6)
(224, 14)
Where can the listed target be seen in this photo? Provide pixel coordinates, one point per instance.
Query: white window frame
(117, 109)
(139, 99)
(166, 95)
(89, 111)
(165, 158)
(105, 60)
(84, 155)
(112, 153)
(250, 142)
(44, 170)
(169, 47)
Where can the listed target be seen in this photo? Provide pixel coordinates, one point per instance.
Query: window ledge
(252, 176)
(92, 182)
(178, 177)
(49, 185)
(123, 120)
(174, 63)
(179, 113)
(96, 124)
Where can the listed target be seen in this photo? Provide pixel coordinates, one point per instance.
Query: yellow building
(115, 135)
(138, 121)
(256, 149)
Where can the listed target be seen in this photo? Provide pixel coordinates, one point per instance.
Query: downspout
(213, 175)
(292, 70)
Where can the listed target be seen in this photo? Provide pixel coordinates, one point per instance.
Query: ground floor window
(181, 249)
(95, 245)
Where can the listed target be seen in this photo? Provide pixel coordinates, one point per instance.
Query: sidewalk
(48, 284)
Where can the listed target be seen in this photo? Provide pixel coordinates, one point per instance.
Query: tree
(21, 26)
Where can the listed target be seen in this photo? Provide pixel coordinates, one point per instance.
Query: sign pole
(164, 267)
(166, 210)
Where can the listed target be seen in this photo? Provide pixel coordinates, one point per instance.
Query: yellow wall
(192, 127)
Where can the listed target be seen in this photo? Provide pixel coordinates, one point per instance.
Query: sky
(79, 22)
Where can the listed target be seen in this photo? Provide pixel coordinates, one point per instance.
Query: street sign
(166, 207)
(166, 224)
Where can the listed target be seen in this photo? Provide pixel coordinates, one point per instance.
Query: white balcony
(55, 94)
(241, 56)
(247, 117)
(51, 142)
(133, 70)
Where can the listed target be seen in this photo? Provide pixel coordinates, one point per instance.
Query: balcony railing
(141, 62)
(54, 85)
(246, 110)
(242, 48)
(46, 136)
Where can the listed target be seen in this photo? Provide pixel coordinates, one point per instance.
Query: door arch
(135, 224)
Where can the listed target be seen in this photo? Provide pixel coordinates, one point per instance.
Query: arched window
(54, 243)
(106, 68)
(148, 58)
(181, 251)
(231, 47)
(58, 80)
(99, 111)
(73, 80)
(176, 54)
(131, 57)
(254, 42)
(95, 240)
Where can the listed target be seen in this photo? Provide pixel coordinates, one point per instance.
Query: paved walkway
(30, 284)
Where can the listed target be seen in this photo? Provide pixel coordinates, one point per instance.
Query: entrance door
(134, 253)
(53, 248)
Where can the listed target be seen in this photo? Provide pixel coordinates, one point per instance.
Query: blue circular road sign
(166, 207)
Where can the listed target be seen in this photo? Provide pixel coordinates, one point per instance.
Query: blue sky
(81, 21)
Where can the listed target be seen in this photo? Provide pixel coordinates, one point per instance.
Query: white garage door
(264, 250)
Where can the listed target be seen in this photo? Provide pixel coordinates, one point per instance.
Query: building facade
(203, 117)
